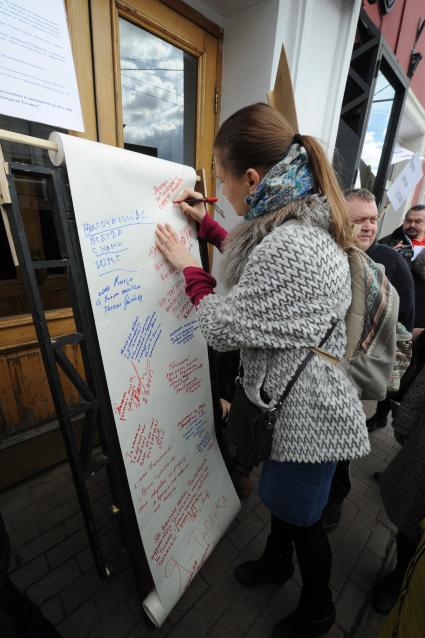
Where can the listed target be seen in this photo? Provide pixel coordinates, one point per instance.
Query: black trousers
(313, 552)
(341, 483)
(405, 552)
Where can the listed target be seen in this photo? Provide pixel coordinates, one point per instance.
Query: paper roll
(154, 609)
(57, 157)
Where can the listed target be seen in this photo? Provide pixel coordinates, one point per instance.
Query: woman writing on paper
(289, 283)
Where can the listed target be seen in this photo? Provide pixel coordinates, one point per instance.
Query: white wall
(249, 40)
(318, 36)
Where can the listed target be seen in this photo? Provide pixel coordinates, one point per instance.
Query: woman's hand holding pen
(172, 248)
(195, 211)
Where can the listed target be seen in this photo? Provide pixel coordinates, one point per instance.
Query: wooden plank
(194, 16)
(79, 30)
(102, 46)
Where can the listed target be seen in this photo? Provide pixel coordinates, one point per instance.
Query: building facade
(158, 76)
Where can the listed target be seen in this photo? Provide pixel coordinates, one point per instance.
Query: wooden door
(157, 84)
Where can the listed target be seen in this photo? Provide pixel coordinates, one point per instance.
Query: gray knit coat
(288, 282)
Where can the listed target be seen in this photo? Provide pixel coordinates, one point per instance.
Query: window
(39, 226)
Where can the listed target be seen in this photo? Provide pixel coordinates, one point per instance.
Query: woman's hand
(172, 248)
(196, 212)
(225, 408)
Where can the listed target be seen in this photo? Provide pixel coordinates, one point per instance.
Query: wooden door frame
(170, 25)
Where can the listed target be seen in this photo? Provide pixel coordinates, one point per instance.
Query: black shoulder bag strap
(274, 411)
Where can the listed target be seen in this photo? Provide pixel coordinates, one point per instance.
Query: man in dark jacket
(409, 241)
(363, 213)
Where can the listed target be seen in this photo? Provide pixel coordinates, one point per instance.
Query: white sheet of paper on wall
(405, 182)
(37, 74)
(155, 358)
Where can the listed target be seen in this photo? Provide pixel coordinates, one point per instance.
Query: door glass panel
(158, 83)
(37, 217)
(379, 117)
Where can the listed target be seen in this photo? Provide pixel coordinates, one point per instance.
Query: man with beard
(409, 241)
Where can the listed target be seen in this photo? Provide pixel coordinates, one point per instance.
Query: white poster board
(37, 75)
(405, 183)
(155, 358)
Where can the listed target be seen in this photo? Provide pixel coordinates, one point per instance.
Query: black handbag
(249, 431)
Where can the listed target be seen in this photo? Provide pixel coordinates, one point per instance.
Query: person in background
(409, 241)
(402, 486)
(289, 286)
(363, 212)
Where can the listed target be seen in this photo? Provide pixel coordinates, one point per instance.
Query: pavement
(52, 563)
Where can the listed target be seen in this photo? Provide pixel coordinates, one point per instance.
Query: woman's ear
(253, 178)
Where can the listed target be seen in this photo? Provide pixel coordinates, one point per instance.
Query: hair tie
(298, 139)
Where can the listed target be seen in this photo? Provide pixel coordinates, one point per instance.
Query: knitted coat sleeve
(285, 295)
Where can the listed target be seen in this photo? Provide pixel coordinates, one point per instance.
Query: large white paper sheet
(155, 358)
(37, 75)
(405, 183)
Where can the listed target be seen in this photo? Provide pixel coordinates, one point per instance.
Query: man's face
(414, 224)
(365, 215)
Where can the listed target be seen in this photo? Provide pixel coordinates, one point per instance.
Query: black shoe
(376, 423)
(385, 593)
(307, 621)
(377, 476)
(272, 567)
(331, 516)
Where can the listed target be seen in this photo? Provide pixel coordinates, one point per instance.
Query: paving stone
(217, 599)
(30, 573)
(79, 623)
(367, 518)
(41, 544)
(343, 560)
(371, 628)
(219, 561)
(54, 582)
(73, 523)
(349, 605)
(247, 506)
(336, 632)
(43, 492)
(248, 606)
(117, 625)
(85, 559)
(366, 570)
(380, 540)
(247, 529)
(142, 631)
(58, 513)
(114, 593)
(227, 627)
(81, 589)
(53, 610)
(18, 504)
(281, 604)
(192, 624)
(135, 605)
(67, 548)
(196, 589)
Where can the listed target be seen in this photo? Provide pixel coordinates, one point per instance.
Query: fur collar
(244, 237)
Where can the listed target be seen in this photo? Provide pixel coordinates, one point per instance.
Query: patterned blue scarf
(289, 179)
